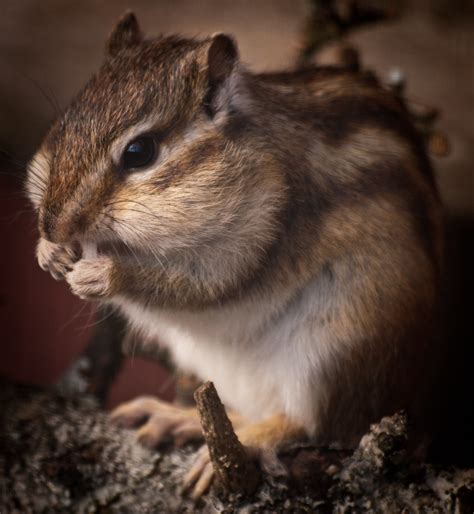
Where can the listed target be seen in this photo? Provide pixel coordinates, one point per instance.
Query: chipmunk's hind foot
(158, 422)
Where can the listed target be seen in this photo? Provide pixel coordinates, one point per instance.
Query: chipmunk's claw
(200, 475)
(260, 442)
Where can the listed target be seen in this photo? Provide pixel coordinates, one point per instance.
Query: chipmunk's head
(149, 154)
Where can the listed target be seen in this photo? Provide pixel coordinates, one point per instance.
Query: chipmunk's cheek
(91, 279)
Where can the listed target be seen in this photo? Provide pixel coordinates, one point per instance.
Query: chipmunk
(279, 233)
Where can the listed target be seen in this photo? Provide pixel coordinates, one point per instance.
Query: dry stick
(97, 367)
(235, 472)
(331, 20)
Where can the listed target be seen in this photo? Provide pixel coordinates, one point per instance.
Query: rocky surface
(59, 454)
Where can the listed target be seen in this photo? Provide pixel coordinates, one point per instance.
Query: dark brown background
(49, 48)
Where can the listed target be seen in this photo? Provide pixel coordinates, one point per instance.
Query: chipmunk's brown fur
(286, 244)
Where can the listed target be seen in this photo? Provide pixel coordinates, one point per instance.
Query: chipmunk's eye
(139, 153)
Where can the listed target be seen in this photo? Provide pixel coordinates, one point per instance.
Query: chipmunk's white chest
(262, 358)
(217, 347)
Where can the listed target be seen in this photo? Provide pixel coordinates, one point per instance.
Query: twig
(135, 345)
(235, 472)
(423, 116)
(95, 370)
(330, 20)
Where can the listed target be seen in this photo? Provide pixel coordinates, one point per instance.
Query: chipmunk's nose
(63, 227)
(52, 229)
(46, 226)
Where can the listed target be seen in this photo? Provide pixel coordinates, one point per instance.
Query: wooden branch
(423, 116)
(235, 472)
(61, 454)
(185, 384)
(135, 345)
(330, 20)
(95, 370)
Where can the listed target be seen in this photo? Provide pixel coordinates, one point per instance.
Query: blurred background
(49, 48)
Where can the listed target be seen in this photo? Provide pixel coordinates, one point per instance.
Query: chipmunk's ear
(221, 58)
(126, 33)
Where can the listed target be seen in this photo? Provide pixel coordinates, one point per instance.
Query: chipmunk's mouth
(92, 249)
(114, 249)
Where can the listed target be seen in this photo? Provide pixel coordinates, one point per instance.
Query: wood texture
(235, 472)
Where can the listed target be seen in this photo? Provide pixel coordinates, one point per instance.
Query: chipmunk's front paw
(91, 279)
(57, 259)
(158, 421)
